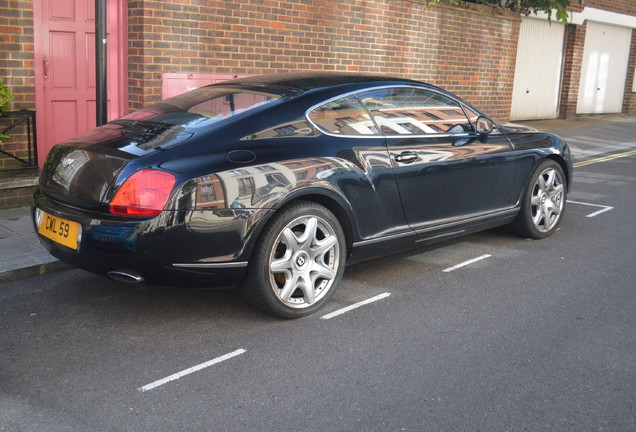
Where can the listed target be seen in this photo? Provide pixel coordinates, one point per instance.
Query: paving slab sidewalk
(22, 256)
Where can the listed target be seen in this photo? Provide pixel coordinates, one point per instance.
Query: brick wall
(17, 143)
(629, 101)
(468, 50)
(16, 51)
(572, 63)
(18, 74)
(17, 194)
(619, 6)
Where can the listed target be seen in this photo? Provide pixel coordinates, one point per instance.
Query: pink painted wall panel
(91, 114)
(64, 116)
(63, 66)
(89, 10)
(62, 9)
(90, 61)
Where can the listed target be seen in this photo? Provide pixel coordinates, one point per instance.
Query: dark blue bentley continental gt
(274, 183)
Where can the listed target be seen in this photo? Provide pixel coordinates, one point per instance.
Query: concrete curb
(33, 271)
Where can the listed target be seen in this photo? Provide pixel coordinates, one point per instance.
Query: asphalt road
(534, 336)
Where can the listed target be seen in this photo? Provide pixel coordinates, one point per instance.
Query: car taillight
(144, 193)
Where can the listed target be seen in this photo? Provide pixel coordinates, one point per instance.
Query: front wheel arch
(564, 166)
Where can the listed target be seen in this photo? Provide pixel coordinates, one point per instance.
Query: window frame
(208, 191)
(356, 93)
(242, 183)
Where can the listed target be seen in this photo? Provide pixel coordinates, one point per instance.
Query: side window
(344, 116)
(412, 111)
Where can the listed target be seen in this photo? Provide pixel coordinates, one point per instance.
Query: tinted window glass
(343, 116)
(207, 104)
(411, 111)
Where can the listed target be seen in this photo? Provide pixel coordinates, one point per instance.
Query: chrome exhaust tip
(125, 276)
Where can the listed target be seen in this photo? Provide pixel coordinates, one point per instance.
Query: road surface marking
(465, 263)
(190, 370)
(604, 208)
(355, 306)
(605, 159)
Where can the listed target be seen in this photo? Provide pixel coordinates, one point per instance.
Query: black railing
(27, 118)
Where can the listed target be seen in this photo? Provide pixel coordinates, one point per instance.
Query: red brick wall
(629, 101)
(620, 6)
(16, 144)
(18, 74)
(16, 51)
(572, 63)
(468, 50)
(16, 196)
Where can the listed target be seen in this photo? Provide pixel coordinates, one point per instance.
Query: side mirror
(484, 125)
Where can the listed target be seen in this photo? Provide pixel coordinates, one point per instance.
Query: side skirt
(383, 246)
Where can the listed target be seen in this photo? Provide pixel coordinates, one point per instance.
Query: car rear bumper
(140, 247)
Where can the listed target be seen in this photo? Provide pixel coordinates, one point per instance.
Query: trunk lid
(80, 171)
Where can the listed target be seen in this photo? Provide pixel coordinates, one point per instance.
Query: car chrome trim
(452, 233)
(237, 264)
(381, 239)
(476, 217)
(379, 135)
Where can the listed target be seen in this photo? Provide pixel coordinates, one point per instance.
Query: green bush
(5, 97)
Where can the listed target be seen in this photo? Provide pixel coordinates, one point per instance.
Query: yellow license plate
(62, 231)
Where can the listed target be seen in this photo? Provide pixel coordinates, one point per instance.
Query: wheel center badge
(301, 260)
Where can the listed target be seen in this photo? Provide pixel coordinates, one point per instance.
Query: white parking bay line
(465, 263)
(355, 306)
(604, 208)
(190, 370)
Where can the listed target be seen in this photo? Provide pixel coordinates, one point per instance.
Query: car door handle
(406, 157)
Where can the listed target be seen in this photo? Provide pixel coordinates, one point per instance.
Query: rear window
(209, 104)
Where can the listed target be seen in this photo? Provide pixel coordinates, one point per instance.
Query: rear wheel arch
(338, 211)
(297, 261)
(330, 200)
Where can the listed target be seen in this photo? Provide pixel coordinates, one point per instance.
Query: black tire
(297, 262)
(543, 202)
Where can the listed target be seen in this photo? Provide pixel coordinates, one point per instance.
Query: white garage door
(604, 68)
(537, 83)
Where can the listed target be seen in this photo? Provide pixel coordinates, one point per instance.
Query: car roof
(305, 81)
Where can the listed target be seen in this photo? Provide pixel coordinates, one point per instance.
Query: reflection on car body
(276, 182)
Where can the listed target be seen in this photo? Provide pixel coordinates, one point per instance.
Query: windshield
(208, 105)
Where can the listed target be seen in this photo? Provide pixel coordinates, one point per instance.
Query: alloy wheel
(547, 199)
(304, 261)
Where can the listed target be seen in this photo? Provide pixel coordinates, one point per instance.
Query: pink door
(64, 34)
